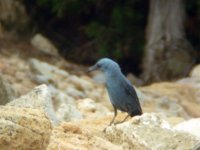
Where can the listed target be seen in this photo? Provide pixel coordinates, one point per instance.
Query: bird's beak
(92, 68)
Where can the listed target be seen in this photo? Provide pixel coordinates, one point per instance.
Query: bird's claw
(104, 130)
(118, 122)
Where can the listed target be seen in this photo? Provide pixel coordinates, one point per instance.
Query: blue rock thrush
(122, 94)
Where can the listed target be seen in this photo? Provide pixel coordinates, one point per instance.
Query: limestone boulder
(194, 83)
(149, 131)
(14, 14)
(91, 109)
(68, 112)
(173, 99)
(191, 81)
(45, 72)
(73, 136)
(191, 126)
(23, 128)
(79, 83)
(38, 98)
(59, 97)
(44, 45)
(73, 92)
(195, 72)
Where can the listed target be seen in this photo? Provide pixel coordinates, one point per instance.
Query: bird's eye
(98, 65)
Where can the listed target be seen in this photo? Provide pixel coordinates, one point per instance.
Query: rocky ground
(49, 103)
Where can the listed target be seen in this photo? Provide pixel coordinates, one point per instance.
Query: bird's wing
(129, 89)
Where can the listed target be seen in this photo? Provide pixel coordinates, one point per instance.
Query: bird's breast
(116, 94)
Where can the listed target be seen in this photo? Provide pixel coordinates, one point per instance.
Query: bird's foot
(112, 123)
(118, 122)
(104, 130)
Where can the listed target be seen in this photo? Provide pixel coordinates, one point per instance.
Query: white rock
(44, 68)
(195, 71)
(87, 104)
(170, 107)
(149, 131)
(43, 44)
(61, 96)
(80, 83)
(191, 126)
(68, 112)
(39, 98)
(46, 72)
(193, 81)
(152, 119)
(91, 109)
(75, 93)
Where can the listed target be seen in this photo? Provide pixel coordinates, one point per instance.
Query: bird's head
(105, 65)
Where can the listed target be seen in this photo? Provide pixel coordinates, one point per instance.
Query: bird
(121, 92)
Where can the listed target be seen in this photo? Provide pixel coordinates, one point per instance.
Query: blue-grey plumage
(122, 94)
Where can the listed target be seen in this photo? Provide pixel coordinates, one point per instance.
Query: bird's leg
(115, 114)
(113, 119)
(122, 120)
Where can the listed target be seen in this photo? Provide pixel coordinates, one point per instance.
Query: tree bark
(168, 55)
(13, 16)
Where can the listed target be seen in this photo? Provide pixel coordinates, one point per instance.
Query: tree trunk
(13, 16)
(168, 55)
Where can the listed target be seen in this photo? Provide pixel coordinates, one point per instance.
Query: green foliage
(55, 6)
(61, 8)
(94, 29)
(117, 26)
